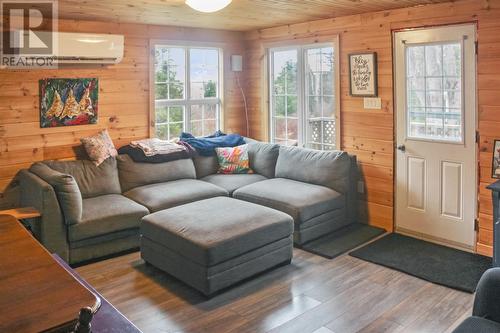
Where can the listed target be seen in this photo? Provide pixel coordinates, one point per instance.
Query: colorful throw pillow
(233, 160)
(99, 147)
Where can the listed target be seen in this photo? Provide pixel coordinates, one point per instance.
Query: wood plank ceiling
(240, 15)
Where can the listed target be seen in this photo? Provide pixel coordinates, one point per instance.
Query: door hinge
(476, 46)
(477, 137)
(476, 224)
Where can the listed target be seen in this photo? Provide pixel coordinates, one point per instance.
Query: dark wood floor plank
(313, 294)
(393, 289)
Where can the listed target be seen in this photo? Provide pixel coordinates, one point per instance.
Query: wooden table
(36, 293)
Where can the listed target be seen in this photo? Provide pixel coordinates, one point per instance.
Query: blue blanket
(206, 145)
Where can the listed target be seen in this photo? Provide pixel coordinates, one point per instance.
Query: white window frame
(187, 102)
(302, 48)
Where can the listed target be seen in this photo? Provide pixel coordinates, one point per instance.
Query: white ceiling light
(207, 6)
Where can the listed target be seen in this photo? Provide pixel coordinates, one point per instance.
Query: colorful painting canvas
(68, 102)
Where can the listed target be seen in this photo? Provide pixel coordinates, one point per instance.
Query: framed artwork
(495, 166)
(68, 102)
(363, 74)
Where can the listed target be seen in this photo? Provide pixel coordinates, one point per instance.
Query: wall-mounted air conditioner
(79, 48)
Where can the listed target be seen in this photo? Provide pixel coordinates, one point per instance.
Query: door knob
(401, 147)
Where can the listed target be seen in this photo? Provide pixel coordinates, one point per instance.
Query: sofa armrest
(50, 229)
(486, 301)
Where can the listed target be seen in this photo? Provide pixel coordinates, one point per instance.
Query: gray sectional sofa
(89, 212)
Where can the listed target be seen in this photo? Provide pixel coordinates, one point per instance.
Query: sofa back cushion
(263, 157)
(134, 174)
(205, 165)
(66, 188)
(327, 168)
(91, 179)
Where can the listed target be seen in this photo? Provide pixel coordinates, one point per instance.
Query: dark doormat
(342, 240)
(435, 263)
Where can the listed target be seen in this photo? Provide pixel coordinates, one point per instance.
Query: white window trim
(186, 102)
(302, 46)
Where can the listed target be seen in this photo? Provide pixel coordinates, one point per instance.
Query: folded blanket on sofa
(137, 154)
(155, 146)
(206, 145)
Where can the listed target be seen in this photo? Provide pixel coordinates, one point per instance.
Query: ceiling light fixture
(207, 6)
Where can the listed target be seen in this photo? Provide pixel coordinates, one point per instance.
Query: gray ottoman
(214, 243)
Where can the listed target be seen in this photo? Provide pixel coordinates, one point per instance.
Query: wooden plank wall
(123, 98)
(369, 134)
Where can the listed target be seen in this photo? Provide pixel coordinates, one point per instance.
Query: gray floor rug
(342, 240)
(435, 263)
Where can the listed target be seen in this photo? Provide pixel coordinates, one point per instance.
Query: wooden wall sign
(363, 74)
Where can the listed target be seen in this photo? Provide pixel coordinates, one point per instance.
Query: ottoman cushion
(214, 230)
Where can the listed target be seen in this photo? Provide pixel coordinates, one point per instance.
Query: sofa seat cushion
(161, 196)
(212, 231)
(477, 325)
(106, 214)
(233, 182)
(300, 200)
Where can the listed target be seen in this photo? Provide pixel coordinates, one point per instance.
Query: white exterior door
(435, 90)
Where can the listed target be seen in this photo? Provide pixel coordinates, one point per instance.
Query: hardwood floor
(312, 294)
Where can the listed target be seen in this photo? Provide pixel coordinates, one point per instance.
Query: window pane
(328, 107)
(169, 122)
(161, 115)
(210, 127)
(162, 132)
(314, 83)
(197, 128)
(210, 111)
(175, 130)
(204, 119)
(161, 91)
(285, 72)
(327, 85)
(280, 106)
(435, 111)
(204, 73)
(280, 128)
(292, 130)
(196, 112)
(291, 106)
(452, 60)
(314, 107)
(433, 60)
(170, 69)
(415, 62)
(176, 114)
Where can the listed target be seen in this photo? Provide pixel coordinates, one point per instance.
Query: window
(434, 91)
(303, 101)
(187, 90)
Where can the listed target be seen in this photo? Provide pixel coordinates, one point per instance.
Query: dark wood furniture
(108, 318)
(495, 191)
(36, 293)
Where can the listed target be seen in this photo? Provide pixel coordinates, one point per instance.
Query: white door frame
(476, 166)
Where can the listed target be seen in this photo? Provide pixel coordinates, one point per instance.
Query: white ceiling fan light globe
(208, 6)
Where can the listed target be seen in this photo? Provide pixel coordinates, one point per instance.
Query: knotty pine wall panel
(123, 99)
(369, 134)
